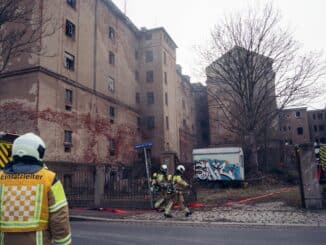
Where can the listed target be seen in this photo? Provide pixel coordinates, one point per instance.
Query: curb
(84, 218)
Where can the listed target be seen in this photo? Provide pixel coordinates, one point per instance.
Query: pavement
(265, 213)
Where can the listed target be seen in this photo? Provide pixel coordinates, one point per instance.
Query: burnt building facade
(102, 86)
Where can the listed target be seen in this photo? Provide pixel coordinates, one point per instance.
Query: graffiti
(208, 169)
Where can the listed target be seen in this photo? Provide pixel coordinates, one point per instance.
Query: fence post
(99, 185)
(310, 184)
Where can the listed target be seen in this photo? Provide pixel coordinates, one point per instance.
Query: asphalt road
(98, 233)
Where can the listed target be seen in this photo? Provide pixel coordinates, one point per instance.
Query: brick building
(317, 125)
(103, 86)
(294, 126)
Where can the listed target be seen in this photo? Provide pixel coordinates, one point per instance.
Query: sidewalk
(272, 213)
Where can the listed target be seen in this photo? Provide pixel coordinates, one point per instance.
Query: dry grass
(223, 195)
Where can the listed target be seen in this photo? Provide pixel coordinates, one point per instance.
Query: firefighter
(179, 185)
(34, 208)
(160, 185)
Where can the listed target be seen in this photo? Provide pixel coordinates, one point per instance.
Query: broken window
(67, 141)
(300, 131)
(112, 33)
(111, 58)
(111, 84)
(70, 29)
(69, 61)
(68, 99)
(72, 3)
(112, 147)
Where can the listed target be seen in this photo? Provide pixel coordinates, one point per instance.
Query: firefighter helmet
(181, 169)
(164, 168)
(29, 145)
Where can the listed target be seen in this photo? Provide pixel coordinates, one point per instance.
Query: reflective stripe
(21, 224)
(38, 202)
(63, 241)
(1, 199)
(39, 238)
(57, 206)
(60, 199)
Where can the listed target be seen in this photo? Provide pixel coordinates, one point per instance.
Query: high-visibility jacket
(27, 203)
(178, 183)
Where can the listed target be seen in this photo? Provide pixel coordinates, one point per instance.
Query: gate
(78, 181)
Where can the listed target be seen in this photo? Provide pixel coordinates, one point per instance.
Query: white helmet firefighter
(29, 146)
(45, 221)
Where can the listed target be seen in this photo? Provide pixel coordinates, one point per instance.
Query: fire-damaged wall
(18, 113)
(96, 135)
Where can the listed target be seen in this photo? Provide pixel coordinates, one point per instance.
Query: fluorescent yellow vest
(24, 201)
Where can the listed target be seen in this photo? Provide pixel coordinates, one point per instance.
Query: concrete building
(228, 108)
(317, 125)
(294, 126)
(101, 88)
(202, 119)
(185, 116)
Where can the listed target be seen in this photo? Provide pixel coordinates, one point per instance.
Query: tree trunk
(253, 166)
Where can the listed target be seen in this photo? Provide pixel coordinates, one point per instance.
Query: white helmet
(181, 169)
(164, 168)
(29, 145)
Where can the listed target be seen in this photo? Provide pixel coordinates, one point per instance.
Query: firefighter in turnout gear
(179, 185)
(34, 208)
(160, 185)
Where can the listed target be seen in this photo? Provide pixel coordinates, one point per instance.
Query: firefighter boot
(168, 215)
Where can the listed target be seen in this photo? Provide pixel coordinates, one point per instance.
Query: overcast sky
(189, 22)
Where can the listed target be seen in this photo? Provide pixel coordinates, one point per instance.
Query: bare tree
(256, 68)
(22, 26)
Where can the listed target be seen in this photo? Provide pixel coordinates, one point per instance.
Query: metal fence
(124, 187)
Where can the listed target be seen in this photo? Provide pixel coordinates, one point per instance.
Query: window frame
(150, 76)
(112, 34)
(149, 56)
(300, 129)
(150, 97)
(111, 84)
(72, 33)
(72, 3)
(111, 58)
(71, 58)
